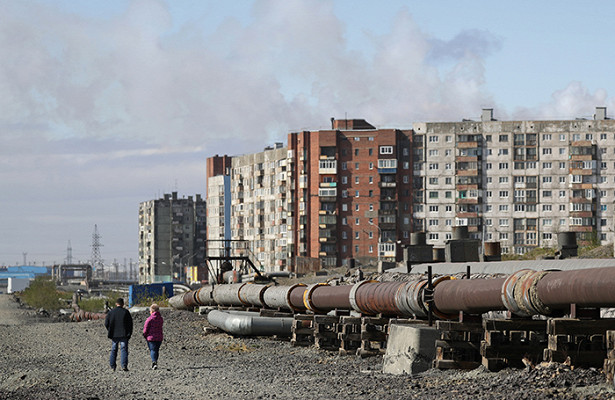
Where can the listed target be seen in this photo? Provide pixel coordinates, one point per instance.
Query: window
(562, 137)
(448, 152)
(433, 195)
(356, 207)
(356, 165)
(357, 221)
(356, 193)
(546, 207)
(503, 179)
(503, 193)
(433, 222)
(371, 151)
(387, 163)
(448, 181)
(433, 153)
(562, 179)
(503, 207)
(503, 152)
(386, 149)
(546, 136)
(371, 179)
(546, 150)
(433, 236)
(356, 179)
(433, 181)
(449, 139)
(488, 208)
(357, 139)
(547, 165)
(503, 165)
(344, 165)
(433, 166)
(547, 222)
(433, 139)
(371, 165)
(488, 165)
(603, 136)
(448, 194)
(433, 208)
(356, 152)
(547, 179)
(503, 138)
(503, 221)
(546, 193)
(488, 222)
(356, 235)
(503, 236)
(448, 166)
(562, 150)
(562, 165)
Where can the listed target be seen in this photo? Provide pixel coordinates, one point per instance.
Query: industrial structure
(172, 233)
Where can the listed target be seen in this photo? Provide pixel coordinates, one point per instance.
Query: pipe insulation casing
(324, 298)
(228, 295)
(409, 299)
(249, 324)
(205, 296)
(252, 294)
(472, 296)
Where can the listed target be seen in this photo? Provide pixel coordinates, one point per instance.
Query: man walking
(119, 329)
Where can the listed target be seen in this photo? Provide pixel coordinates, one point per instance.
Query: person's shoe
(125, 369)
(154, 365)
(113, 369)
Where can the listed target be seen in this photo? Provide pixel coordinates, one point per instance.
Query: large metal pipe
(371, 297)
(322, 298)
(252, 294)
(228, 295)
(472, 296)
(249, 324)
(279, 297)
(593, 287)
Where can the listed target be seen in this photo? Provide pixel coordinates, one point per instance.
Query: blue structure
(24, 271)
(138, 292)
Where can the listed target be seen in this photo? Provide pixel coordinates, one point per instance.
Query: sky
(106, 104)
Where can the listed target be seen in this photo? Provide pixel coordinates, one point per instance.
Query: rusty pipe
(322, 298)
(472, 296)
(370, 297)
(592, 287)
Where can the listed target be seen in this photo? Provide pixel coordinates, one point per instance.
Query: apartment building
(172, 234)
(259, 205)
(218, 203)
(350, 193)
(516, 182)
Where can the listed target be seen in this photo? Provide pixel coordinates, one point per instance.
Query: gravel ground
(44, 358)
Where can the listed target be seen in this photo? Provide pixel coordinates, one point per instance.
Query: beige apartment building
(516, 182)
(259, 204)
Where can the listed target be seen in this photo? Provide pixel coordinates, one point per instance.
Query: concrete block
(385, 265)
(410, 349)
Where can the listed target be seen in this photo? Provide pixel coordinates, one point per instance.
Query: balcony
(387, 184)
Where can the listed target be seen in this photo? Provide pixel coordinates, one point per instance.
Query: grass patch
(162, 301)
(42, 293)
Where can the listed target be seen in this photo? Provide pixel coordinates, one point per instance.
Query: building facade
(172, 233)
(259, 206)
(350, 193)
(516, 182)
(218, 203)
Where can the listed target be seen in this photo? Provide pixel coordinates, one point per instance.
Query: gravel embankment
(42, 359)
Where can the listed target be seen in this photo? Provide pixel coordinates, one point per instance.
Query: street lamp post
(181, 264)
(379, 239)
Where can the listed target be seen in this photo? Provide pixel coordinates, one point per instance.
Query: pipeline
(250, 323)
(524, 293)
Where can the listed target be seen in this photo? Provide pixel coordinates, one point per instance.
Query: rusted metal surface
(472, 296)
(205, 296)
(378, 298)
(409, 299)
(279, 296)
(593, 287)
(321, 297)
(295, 297)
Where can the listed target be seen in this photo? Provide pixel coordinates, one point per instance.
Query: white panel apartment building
(259, 205)
(516, 182)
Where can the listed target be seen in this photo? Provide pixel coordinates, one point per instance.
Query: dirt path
(59, 360)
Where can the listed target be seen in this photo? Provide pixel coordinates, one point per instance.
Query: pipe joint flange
(434, 310)
(533, 295)
(307, 297)
(352, 296)
(508, 292)
(522, 293)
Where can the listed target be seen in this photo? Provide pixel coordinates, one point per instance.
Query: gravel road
(42, 358)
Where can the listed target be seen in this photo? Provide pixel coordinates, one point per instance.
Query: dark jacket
(118, 323)
(152, 330)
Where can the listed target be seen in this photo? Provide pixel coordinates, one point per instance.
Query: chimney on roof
(487, 115)
(332, 123)
(600, 113)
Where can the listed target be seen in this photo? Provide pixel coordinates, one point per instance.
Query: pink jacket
(152, 330)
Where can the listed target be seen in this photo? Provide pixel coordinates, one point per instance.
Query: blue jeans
(123, 343)
(154, 348)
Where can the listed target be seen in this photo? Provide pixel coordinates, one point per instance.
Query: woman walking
(152, 332)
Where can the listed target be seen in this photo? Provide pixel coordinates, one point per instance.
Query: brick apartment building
(350, 192)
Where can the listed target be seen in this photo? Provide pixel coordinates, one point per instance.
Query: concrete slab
(410, 349)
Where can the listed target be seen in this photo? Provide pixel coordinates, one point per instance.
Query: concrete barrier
(411, 348)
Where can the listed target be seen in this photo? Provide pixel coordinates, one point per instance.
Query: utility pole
(69, 254)
(97, 261)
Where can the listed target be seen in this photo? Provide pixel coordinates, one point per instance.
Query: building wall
(346, 203)
(172, 234)
(532, 180)
(259, 205)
